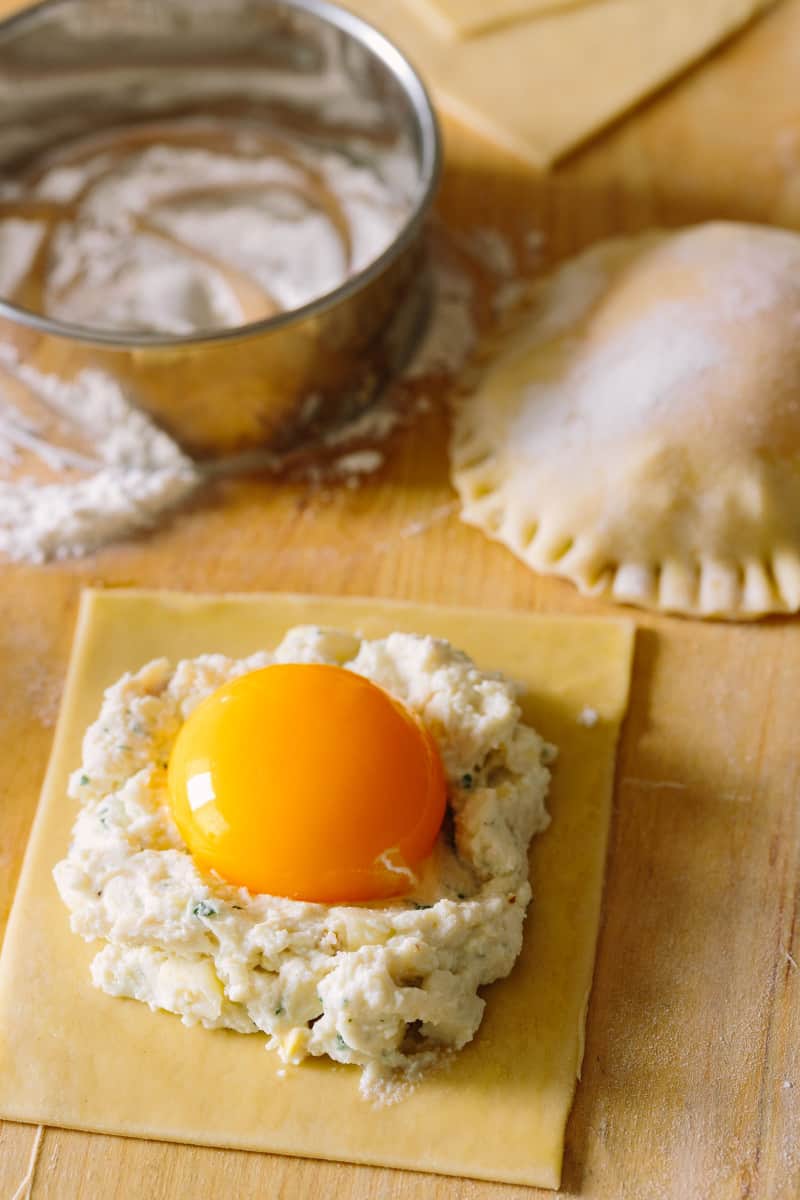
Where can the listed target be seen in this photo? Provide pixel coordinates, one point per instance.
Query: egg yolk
(308, 781)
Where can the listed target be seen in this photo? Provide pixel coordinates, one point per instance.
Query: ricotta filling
(391, 986)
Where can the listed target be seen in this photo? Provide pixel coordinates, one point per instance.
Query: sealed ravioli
(640, 433)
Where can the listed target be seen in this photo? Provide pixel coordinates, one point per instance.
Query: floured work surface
(541, 87)
(72, 1056)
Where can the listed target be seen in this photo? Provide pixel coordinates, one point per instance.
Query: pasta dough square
(540, 87)
(72, 1056)
(465, 18)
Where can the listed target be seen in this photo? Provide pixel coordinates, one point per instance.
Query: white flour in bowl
(188, 229)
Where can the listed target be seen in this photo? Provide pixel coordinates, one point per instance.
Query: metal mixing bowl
(71, 68)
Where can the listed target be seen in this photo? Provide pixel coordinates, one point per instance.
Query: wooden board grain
(691, 1083)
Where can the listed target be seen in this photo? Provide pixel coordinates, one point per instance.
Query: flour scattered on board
(131, 474)
(451, 333)
(115, 472)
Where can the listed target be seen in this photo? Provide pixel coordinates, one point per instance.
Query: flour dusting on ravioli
(639, 434)
(391, 986)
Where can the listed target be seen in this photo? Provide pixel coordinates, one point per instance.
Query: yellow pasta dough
(640, 434)
(465, 18)
(539, 88)
(71, 1055)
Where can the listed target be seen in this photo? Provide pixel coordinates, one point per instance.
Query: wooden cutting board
(691, 1082)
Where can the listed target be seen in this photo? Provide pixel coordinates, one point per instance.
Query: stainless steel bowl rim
(430, 169)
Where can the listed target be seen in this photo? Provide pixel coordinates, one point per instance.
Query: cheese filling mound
(391, 986)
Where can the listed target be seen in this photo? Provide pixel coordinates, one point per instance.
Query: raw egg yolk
(308, 781)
